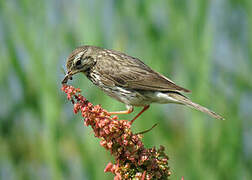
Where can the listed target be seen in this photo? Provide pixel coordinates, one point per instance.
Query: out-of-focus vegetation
(204, 46)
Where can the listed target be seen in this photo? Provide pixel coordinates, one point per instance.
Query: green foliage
(204, 46)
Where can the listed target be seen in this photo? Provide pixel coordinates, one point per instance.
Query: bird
(127, 79)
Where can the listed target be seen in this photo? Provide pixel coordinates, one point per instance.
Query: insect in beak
(67, 77)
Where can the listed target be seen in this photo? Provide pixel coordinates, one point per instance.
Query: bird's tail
(184, 100)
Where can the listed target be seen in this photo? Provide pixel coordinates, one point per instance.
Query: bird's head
(80, 60)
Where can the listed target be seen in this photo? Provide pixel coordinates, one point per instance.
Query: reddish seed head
(117, 137)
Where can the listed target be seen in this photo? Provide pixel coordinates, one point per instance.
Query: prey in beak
(67, 77)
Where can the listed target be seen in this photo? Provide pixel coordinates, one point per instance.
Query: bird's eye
(78, 63)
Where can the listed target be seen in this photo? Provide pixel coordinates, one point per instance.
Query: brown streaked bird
(127, 79)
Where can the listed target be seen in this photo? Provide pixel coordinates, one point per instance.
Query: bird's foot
(128, 111)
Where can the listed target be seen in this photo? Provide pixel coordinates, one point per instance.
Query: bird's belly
(138, 98)
(124, 95)
(129, 97)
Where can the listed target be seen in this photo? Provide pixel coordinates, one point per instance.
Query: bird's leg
(128, 111)
(144, 109)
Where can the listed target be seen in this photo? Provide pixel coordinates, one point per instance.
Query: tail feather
(184, 100)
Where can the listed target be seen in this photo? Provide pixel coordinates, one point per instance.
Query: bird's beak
(67, 77)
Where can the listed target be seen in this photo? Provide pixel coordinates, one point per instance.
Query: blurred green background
(204, 46)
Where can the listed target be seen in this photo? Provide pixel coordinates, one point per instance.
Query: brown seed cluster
(133, 160)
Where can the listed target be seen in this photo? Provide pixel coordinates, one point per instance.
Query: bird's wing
(129, 72)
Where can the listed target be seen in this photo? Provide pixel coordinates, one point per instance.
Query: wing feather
(129, 72)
